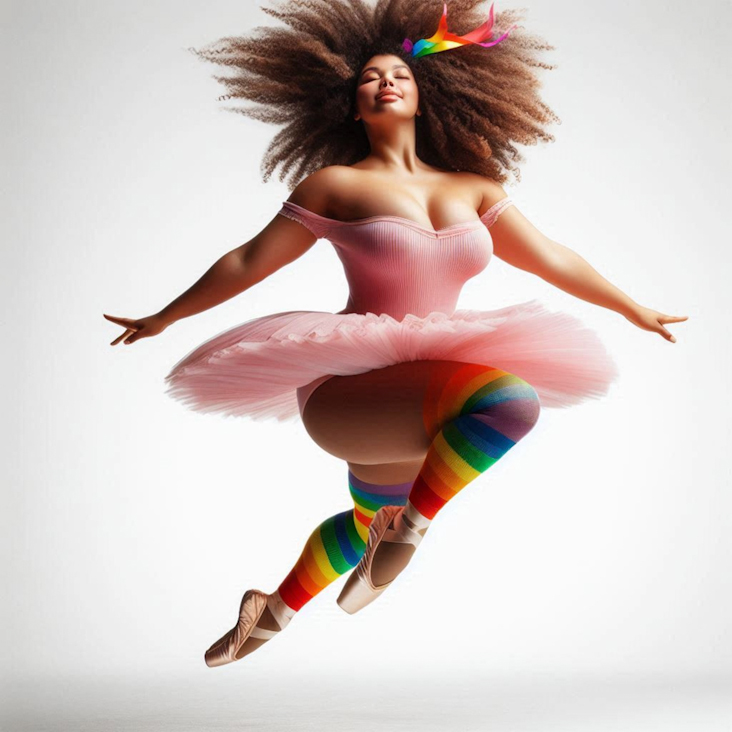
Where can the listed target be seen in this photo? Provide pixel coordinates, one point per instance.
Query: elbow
(237, 269)
(553, 261)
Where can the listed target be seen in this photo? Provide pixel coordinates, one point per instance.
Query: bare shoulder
(316, 191)
(488, 191)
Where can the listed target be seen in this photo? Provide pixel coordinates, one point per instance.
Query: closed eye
(407, 78)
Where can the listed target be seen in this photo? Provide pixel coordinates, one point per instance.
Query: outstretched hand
(649, 319)
(136, 329)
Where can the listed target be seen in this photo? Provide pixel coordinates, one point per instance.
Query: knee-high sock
(337, 545)
(474, 415)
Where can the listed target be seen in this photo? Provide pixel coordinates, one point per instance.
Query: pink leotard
(394, 265)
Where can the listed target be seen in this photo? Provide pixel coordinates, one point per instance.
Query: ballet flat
(359, 589)
(252, 607)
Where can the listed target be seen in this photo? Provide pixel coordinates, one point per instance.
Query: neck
(394, 147)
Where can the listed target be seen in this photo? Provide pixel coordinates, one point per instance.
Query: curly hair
(476, 102)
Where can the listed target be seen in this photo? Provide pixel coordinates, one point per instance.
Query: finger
(663, 318)
(119, 338)
(668, 336)
(672, 318)
(127, 322)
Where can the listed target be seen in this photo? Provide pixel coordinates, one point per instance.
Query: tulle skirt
(255, 369)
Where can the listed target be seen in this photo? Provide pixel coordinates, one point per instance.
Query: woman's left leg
(474, 414)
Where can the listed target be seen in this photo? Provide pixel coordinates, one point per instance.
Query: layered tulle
(254, 368)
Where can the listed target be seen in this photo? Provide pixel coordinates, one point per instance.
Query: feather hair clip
(443, 40)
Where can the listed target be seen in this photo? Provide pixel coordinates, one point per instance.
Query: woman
(397, 152)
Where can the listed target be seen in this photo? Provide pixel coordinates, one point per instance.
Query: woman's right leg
(375, 427)
(384, 449)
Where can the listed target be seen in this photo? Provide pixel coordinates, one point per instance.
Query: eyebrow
(376, 68)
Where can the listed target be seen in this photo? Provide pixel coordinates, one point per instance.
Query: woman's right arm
(279, 243)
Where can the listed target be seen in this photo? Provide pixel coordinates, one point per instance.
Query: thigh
(376, 417)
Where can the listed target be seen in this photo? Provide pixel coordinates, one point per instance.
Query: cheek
(412, 96)
(362, 96)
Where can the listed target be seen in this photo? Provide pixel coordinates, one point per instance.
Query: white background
(584, 583)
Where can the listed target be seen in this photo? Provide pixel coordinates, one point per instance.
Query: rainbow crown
(443, 40)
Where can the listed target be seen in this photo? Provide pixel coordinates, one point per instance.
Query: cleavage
(382, 203)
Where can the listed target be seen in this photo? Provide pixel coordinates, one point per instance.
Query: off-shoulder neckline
(402, 219)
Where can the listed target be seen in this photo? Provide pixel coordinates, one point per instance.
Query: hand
(136, 329)
(649, 319)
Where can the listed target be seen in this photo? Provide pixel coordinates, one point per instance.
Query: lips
(387, 94)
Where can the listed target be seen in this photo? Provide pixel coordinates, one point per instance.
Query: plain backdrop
(595, 556)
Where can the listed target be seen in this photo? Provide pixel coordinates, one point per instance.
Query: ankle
(402, 520)
(415, 520)
(281, 611)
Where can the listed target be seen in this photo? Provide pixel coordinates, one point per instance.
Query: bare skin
(380, 435)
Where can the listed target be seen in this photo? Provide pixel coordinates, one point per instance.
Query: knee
(527, 405)
(514, 409)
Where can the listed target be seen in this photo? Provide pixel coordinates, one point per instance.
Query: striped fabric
(337, 545)
(474, 414)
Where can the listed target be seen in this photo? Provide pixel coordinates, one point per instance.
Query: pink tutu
(255, 368)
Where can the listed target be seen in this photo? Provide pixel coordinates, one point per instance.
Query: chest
(431, 207)
(401, 250)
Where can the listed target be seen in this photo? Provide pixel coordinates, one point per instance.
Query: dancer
(397, 142)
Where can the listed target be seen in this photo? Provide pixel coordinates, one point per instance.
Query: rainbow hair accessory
(443, 40)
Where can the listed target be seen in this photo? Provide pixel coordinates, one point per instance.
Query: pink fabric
(396, 266)
(404, 282)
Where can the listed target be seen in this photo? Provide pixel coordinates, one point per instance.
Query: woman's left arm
(519, 243)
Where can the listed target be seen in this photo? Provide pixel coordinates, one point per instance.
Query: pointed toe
(359, 589)
(357, 593)
(225, 649)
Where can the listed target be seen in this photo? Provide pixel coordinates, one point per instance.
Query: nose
(388, 81)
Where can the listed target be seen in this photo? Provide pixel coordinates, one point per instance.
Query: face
(386, 88)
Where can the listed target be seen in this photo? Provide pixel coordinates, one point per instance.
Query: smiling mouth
(389, 95)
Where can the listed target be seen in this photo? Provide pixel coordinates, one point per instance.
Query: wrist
(165, 317)
(629, 309)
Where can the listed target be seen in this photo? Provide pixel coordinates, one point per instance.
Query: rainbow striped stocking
(474, 414)
(337, 545)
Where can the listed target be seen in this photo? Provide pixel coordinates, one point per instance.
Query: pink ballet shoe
(359, 589)
(228, 648)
